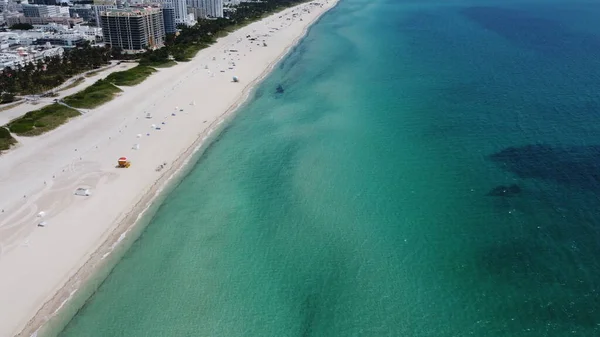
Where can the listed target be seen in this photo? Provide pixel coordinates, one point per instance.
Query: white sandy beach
(40, 265)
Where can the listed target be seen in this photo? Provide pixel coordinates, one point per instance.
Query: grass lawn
(6, 139)
(160, 64)
(105, 90)
(96, 94)
(133, 76)
(42, 120)
(164, 65)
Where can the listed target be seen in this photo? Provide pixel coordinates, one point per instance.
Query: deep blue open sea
(432, 169)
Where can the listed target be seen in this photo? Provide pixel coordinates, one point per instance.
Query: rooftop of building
(131, 11)
(104, 3)
(16, 52)
(49, 32)
(21, 55)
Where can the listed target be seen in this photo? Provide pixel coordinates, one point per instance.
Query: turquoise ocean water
(355, 203)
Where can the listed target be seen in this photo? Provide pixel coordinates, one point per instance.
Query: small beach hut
(123, 162)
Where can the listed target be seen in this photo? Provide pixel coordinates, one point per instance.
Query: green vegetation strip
(184, 53)
(96, 94)
(39, 121)
(105, 90)
(6, 139)
(133, 76)
(165, 64)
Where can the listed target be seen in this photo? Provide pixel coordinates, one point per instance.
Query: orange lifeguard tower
(123, 162)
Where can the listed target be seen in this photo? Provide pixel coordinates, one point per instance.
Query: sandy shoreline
(43, 271)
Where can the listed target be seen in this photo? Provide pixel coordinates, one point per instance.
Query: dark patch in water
(293, 58)
(560, 290)
(576, 165)
(528, 30)
(309, 307)
(504, 191)
(517, 259)
(279, 89)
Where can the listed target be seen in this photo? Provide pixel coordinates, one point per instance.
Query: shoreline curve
(151, 198)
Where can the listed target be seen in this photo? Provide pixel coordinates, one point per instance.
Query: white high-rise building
(214, 8)
(100, 6)
(99, 9)
(181, 14)
(210, 8)
(133, 28)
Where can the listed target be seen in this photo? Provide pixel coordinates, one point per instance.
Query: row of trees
(43, 75)
(22, 26)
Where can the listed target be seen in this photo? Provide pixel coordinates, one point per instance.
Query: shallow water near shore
(355, 202)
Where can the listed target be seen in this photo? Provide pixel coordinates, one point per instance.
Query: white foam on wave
(65, 301)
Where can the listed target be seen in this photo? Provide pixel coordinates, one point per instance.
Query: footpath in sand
(185, 102)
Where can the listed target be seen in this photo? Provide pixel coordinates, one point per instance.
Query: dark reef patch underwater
(576, 165)
(528, 29)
